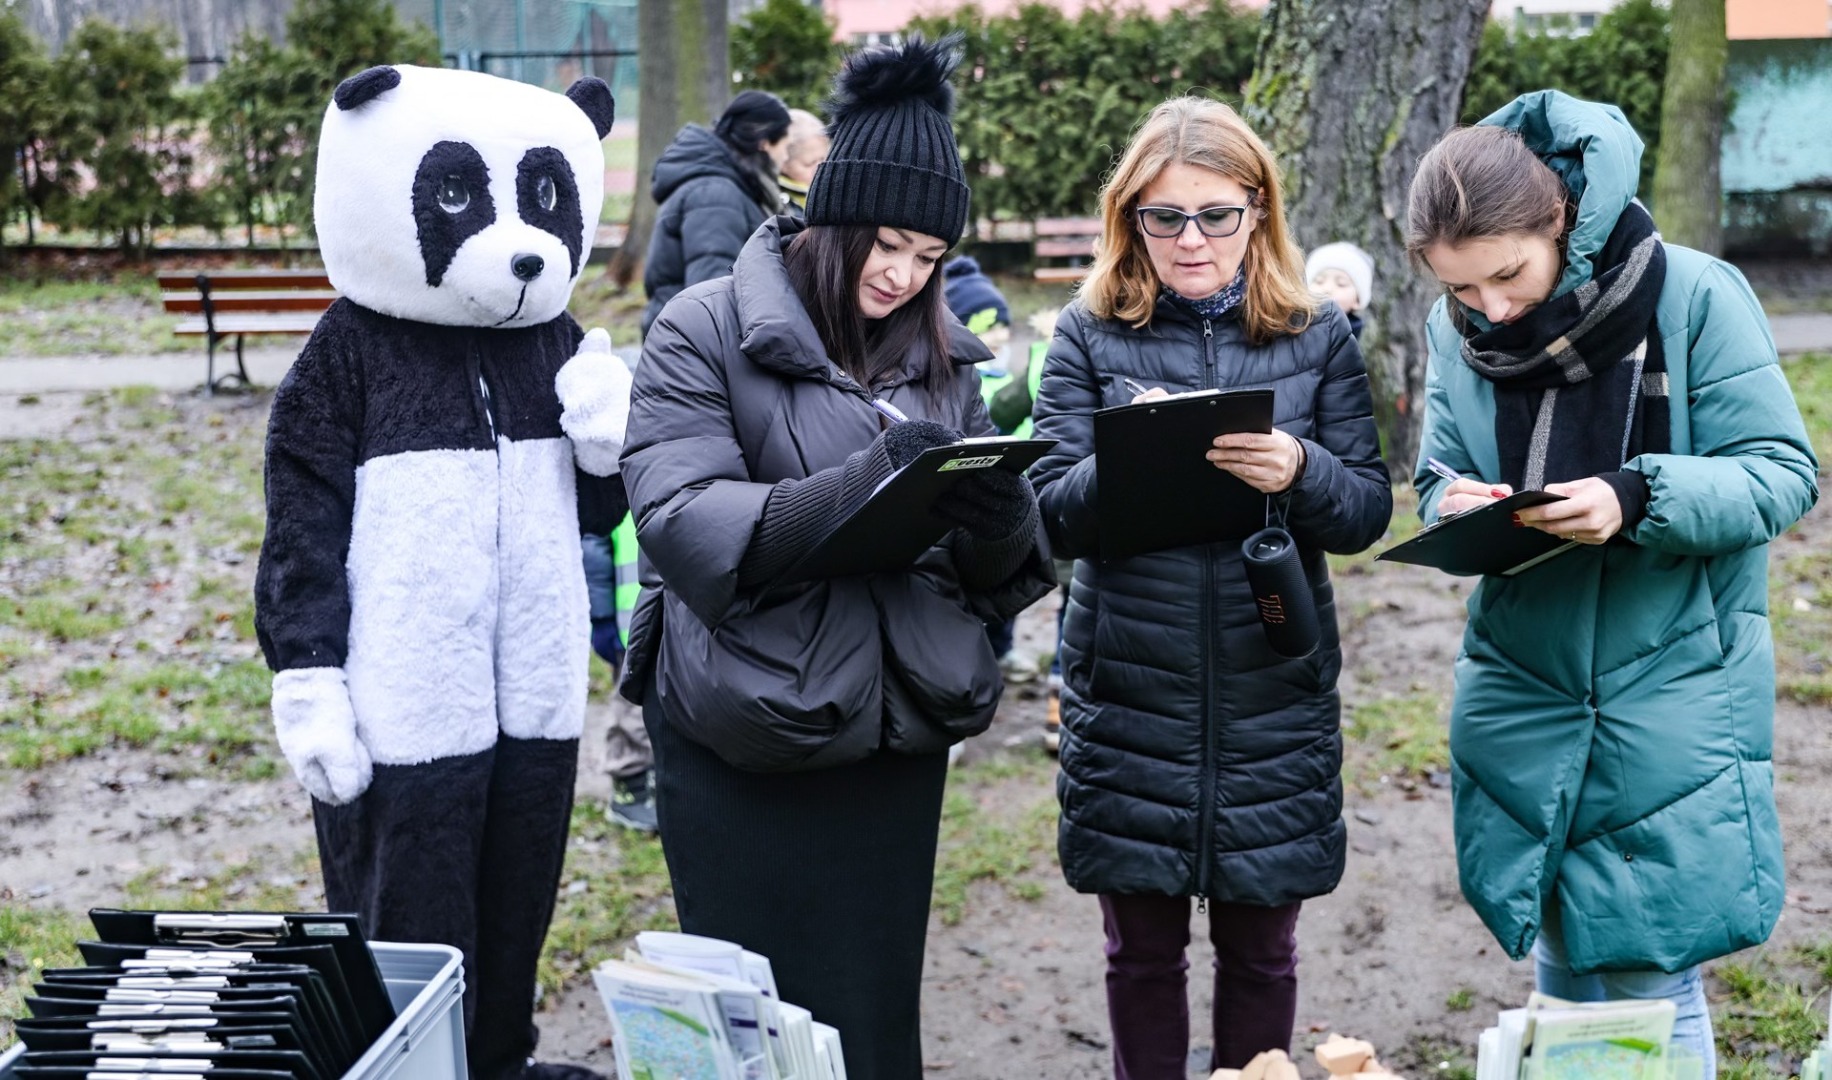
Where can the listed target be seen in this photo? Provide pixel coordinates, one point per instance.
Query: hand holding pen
(1464, 493)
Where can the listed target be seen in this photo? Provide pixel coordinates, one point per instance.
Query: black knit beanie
(893, 160)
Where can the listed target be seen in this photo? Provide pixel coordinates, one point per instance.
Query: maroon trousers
(1256, 983)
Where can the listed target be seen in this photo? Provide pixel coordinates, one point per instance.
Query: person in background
(714, 188)
(1344, 273)
(975, 300)
(1611, 736)
(1195, 761)
(611, 581)
(807, 148)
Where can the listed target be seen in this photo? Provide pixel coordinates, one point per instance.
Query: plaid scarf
(1580, 381)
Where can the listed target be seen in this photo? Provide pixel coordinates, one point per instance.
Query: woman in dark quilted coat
(1195, 760)
(801, 728)
(713, 187)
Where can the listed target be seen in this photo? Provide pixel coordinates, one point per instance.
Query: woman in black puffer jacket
(801, 729)
(1195, 760)
(714, 188)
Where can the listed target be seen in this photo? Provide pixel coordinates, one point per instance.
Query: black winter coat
(1194, 759)
(710, 205)
(735, 396)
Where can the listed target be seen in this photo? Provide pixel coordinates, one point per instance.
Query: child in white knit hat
(1343, 273)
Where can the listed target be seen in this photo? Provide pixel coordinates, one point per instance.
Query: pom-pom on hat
(893, 160)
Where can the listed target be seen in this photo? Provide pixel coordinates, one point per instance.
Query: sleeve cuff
(1632, 492)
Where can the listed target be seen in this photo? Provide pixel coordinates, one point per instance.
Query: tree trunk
(1349, 94)
(684, 79)
(1688, 195)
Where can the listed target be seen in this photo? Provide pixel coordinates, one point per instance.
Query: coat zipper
(1205, 838)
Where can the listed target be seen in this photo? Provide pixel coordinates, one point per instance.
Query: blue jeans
(1686, 989)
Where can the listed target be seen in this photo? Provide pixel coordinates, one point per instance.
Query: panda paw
(594, 391)
(316, 729)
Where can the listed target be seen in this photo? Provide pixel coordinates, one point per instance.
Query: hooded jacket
(1194, 759)
(1611, 736)
(710, 205)
(734, 396)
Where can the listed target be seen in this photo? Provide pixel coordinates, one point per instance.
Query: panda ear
(365, 86)
(594, 98)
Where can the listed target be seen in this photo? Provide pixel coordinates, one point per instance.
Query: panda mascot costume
(431, 458)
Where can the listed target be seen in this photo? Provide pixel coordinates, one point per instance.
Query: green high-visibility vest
(623, 562)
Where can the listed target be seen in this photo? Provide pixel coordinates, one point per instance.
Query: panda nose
(527, 267)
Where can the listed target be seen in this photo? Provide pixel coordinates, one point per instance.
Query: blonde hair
(1122, 285)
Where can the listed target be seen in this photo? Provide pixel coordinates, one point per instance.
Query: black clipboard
(1157, 490)
(892, 529)
(1483, 540)
(268, 935)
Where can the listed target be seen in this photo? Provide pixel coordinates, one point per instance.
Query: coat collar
(774, 328)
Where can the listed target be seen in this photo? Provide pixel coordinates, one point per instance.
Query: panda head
(459, 198)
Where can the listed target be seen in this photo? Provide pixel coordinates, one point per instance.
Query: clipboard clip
(220, 929)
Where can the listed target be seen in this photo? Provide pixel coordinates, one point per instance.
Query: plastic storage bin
(426, 1040)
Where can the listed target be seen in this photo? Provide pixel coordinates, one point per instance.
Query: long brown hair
(1122, 285)
(1480, 182)
(824, 264)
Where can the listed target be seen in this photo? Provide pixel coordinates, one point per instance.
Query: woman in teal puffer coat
(1610, 741)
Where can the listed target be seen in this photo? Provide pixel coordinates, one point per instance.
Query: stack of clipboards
(182, 995)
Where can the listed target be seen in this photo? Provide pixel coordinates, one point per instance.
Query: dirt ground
(1014, 987)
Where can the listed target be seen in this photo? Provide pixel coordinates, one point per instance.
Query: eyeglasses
(1168, 222)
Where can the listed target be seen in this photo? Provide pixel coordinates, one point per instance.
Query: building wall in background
(1758, 19)
(1777, 161)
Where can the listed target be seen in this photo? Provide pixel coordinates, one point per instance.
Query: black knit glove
(904, 442)
(991, 504)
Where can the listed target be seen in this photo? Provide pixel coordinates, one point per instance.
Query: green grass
(1811, 377)
(30, 941)
(61, 318)
(1770, 1010)
(220, 713)
(1395, 737)
(615, 884)
(1462, 999)
(981, 844)
(1800, 611)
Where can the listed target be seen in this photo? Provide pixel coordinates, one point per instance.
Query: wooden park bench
(217, 304)
(1064, 238)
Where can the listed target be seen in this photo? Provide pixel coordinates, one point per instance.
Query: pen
(891, 412)
(1442, 469)
(1134, 387)
(1449, 473)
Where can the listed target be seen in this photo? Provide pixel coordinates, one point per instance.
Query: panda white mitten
(317, 732)
(594, 390)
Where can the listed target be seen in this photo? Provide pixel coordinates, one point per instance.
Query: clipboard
(1157, 491)
(269, 937)
(892, 529)
(1483, 540)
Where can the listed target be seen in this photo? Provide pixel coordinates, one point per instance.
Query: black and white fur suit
(430, 455)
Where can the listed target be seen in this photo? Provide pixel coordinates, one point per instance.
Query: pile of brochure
(685, 1007)
(1606, 1040)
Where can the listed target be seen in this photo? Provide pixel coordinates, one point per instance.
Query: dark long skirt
(826, 872)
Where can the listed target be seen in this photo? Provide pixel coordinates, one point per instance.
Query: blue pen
(891, 412)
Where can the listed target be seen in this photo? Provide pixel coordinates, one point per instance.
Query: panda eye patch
(547, 197)
(451, 203)
(454, 194)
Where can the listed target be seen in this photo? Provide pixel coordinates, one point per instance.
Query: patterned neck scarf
(1214, 307)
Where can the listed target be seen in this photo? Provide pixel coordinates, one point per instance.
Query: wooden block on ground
(1343, 1056)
